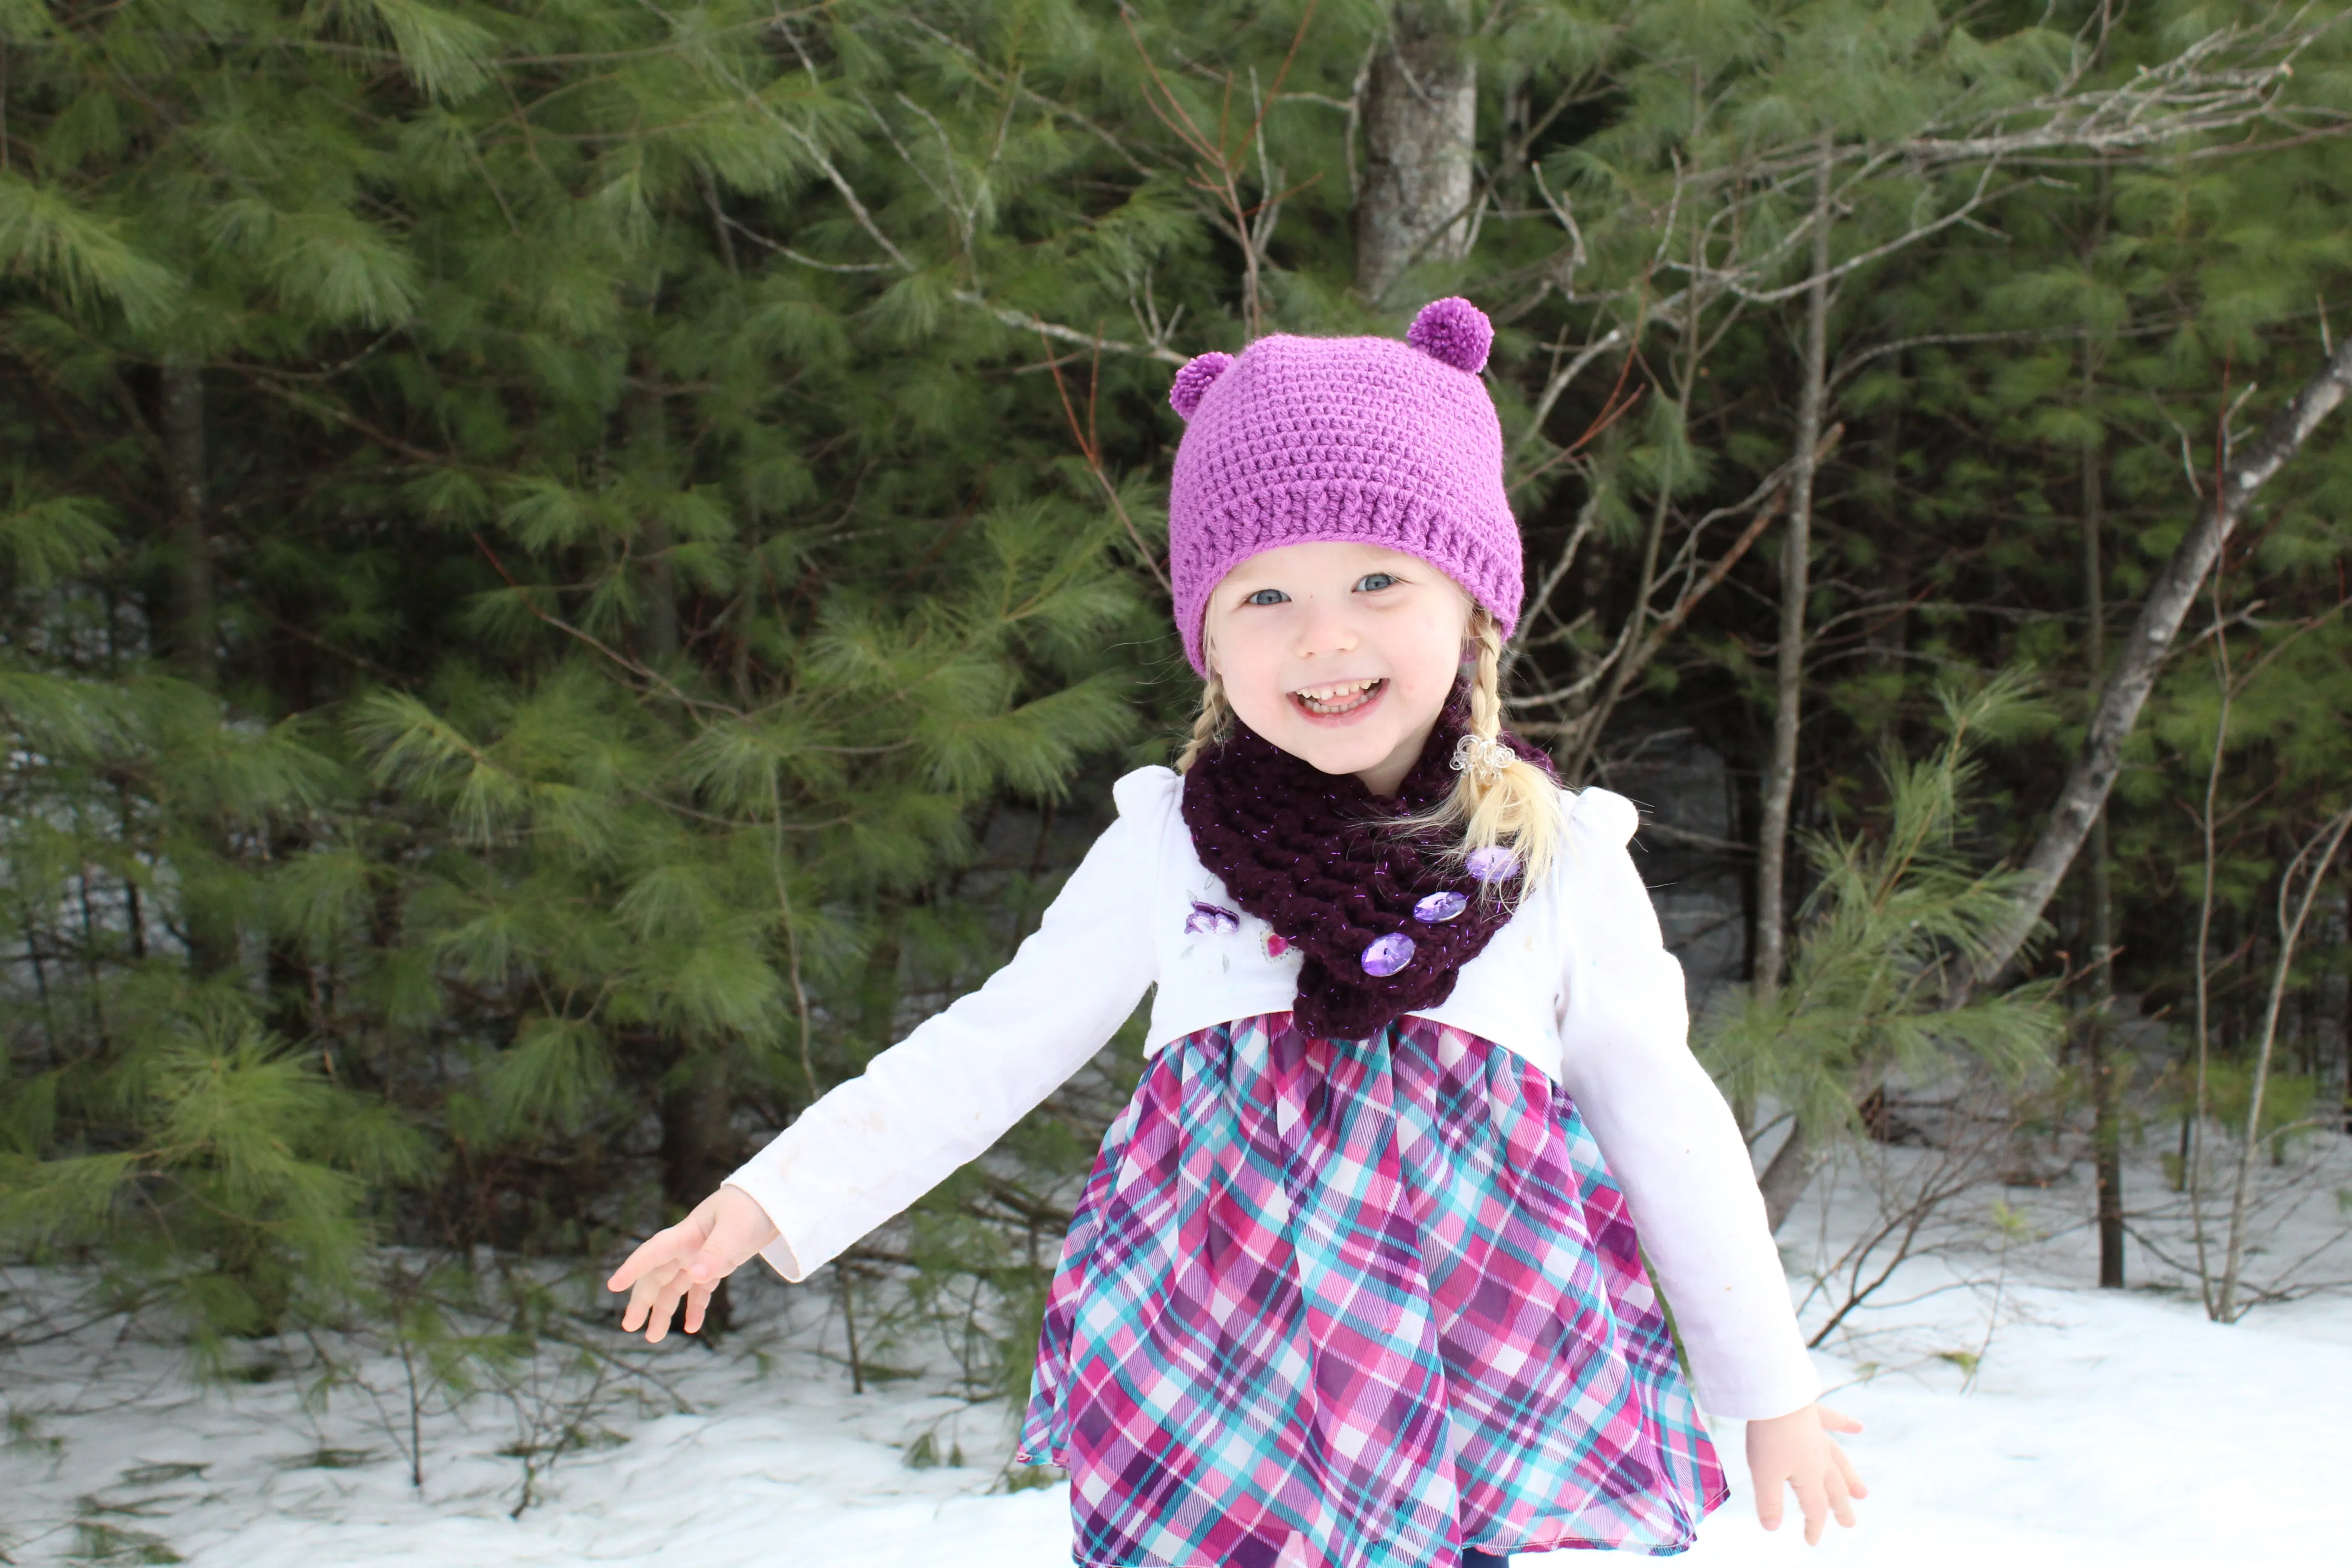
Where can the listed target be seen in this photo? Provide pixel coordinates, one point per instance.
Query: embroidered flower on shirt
(1208, 917)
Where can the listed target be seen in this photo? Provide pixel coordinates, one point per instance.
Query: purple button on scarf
(1385, 955)
(1439, 907)
(1492, 864)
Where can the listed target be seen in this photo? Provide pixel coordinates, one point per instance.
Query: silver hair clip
(1483, 758)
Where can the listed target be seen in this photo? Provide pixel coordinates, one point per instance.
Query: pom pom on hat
(1450, 331)
(1193, 380)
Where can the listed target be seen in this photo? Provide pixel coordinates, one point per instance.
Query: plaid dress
(1357, 1304)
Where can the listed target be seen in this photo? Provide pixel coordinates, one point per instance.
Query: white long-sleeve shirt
(1578, 980)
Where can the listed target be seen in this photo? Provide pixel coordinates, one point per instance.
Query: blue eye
(1255, 599)
(1386, 578)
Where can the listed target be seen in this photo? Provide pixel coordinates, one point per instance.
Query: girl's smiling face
(1340, 652)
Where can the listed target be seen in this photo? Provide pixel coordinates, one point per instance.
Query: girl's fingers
(1839, 1504)
(664, 1308)
(633, 1313)
(647, 1251)
(641, 1302)
(1816, 1507)
(686, 1261)
(634, 1265)
(1837, 1420)
(1845, 1468)
(1768, 1500)
(661, 1305)
(658, 1247)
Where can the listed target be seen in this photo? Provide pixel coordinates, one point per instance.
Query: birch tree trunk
(1421, 120)
(1789, 668)
(2084, 793)
(1785, 1179)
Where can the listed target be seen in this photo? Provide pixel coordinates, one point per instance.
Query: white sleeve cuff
(754, 1184)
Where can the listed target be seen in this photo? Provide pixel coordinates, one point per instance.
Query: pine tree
(570, 574)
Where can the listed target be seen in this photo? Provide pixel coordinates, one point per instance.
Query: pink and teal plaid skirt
(1357, 1304)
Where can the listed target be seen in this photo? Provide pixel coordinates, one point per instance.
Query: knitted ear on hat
(1453, 332)
(1194, 379)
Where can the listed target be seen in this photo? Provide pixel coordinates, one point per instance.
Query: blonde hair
(1519, 810)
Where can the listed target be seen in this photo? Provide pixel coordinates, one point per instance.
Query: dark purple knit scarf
(1298, 848)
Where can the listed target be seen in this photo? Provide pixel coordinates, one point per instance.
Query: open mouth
(1342, 697)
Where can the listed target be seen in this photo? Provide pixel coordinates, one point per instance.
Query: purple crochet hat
(1302, 439)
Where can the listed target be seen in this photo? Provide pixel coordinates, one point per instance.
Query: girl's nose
(1324, 627)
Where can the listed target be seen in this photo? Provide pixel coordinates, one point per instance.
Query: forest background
(572, 571)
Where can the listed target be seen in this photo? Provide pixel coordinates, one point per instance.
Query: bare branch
(1027, 323)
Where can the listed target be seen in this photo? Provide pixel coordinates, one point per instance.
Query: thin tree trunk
(696, 1151)
(1790, 1171)
(2290, 930)
(698, 1148)
(1785, 1179)
(2346, 1108)
(2107, 1139)
(2084, 793)
(849, 1324)
(648, 436)
(698, 1135)
(2193, 1156)
(1421, 120)
(2106, 1087)
(194, 627)
(1789, 667)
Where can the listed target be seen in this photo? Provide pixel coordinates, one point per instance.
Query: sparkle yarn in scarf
(1383, 928)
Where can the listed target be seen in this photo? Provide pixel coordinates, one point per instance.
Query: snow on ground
(2097, 1428)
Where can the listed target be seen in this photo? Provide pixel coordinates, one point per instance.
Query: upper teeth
(1329, 693)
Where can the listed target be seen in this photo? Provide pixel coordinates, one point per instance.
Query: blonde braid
(1210, 727)
(1518, 808)
(1485, 686)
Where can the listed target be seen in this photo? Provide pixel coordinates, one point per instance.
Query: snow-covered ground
(2094, 1428)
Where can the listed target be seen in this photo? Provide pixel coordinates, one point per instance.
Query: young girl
(1355, 1282)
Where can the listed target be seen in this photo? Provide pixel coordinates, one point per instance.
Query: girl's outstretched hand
(689, 1261)
(1797, 1450)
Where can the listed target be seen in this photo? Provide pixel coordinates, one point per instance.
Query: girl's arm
(1664, 1128)
(940, 1098)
